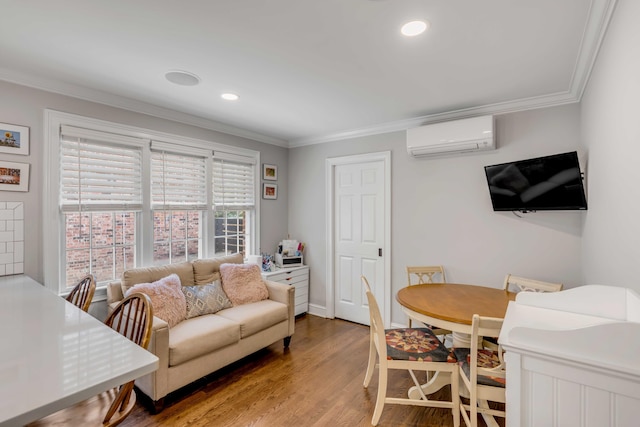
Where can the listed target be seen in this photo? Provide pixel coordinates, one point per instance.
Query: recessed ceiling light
(229, 96)
(182, 78)
(414, 28)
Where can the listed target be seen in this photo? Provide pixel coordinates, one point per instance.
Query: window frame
(54, 257)
(240, 199)
(163, 154)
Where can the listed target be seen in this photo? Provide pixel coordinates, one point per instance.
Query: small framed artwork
(14, 176)
(269, 172)
(14, 139)
(269, 191)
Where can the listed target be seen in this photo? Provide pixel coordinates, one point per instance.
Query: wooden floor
(316, 382)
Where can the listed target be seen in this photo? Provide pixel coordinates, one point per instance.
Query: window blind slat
(233, 184)
(96, 174)
(178, 181)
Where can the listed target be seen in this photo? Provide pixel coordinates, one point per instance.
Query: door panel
(359, 234)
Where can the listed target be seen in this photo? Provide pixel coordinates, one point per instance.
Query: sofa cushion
(131, 277)
(256, 316)
(166, 296)
(205, 299)
(207, 270)
(243, 283)
(201, 335)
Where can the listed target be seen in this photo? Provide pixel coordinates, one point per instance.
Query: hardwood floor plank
(317, 382)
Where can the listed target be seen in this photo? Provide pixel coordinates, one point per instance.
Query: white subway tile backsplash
(6, 258)
(18, 230)
(11, 238)
(18, 252)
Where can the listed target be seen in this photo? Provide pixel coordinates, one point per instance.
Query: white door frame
(383, 300)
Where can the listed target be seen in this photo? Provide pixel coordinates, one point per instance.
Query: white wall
(611, 133)
(25, 106)
(441, 210)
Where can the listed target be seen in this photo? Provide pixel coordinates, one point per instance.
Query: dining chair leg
(382, 393)
(371, 366)
(455, 397)
(473, 407)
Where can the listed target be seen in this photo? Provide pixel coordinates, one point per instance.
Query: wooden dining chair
(406, 349)
(82, 294)
(482, 372)
(420, 275)
(133, 318)
(522, 284)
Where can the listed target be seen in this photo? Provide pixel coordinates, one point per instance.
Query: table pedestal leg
(461, 340)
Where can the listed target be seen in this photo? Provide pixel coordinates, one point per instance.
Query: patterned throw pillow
(243, 283)
(167, 299)
(205, 299)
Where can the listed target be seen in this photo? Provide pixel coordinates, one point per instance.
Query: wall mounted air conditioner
(457, 136)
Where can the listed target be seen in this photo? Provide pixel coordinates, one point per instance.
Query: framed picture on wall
(269, 191)
(14, 176)
(14, 139)
(269, 172)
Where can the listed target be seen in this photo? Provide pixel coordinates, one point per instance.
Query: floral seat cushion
(486, 359)
(416, 344)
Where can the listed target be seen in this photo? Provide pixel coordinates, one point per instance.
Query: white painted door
(359, 213)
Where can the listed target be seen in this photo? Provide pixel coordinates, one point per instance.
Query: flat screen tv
(543, 183)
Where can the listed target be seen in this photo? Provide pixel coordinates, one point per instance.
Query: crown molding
(401, 125)
(105, 98)
(598, 21)
(600, 14)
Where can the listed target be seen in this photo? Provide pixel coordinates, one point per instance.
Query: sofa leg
(157, 406)
(287, 341)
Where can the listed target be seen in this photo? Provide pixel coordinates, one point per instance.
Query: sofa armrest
(155, 384)
(114, 292)
(286, 295)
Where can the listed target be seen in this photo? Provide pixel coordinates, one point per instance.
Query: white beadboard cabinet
(572, 358)
(294, 276)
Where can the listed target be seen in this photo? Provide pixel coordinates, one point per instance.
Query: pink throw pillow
(167, 298)
(243, 283)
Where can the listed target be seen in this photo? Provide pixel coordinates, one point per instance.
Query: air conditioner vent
(458, 136)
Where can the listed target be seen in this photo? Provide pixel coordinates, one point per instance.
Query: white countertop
(591, 325)
(54, 355)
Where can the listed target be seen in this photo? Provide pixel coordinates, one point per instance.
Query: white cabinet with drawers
(294, 276)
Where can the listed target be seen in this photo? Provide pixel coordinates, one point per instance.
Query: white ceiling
(307, 71)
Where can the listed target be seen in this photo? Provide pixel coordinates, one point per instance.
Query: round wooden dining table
(452, 306)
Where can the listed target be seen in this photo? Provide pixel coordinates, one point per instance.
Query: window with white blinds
(99, 171)
(233, 203)
(178, 181)
(125, 197)
(233, 182)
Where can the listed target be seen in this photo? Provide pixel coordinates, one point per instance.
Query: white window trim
(53, 221)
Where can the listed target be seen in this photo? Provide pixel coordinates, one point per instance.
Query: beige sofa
(201, 345)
